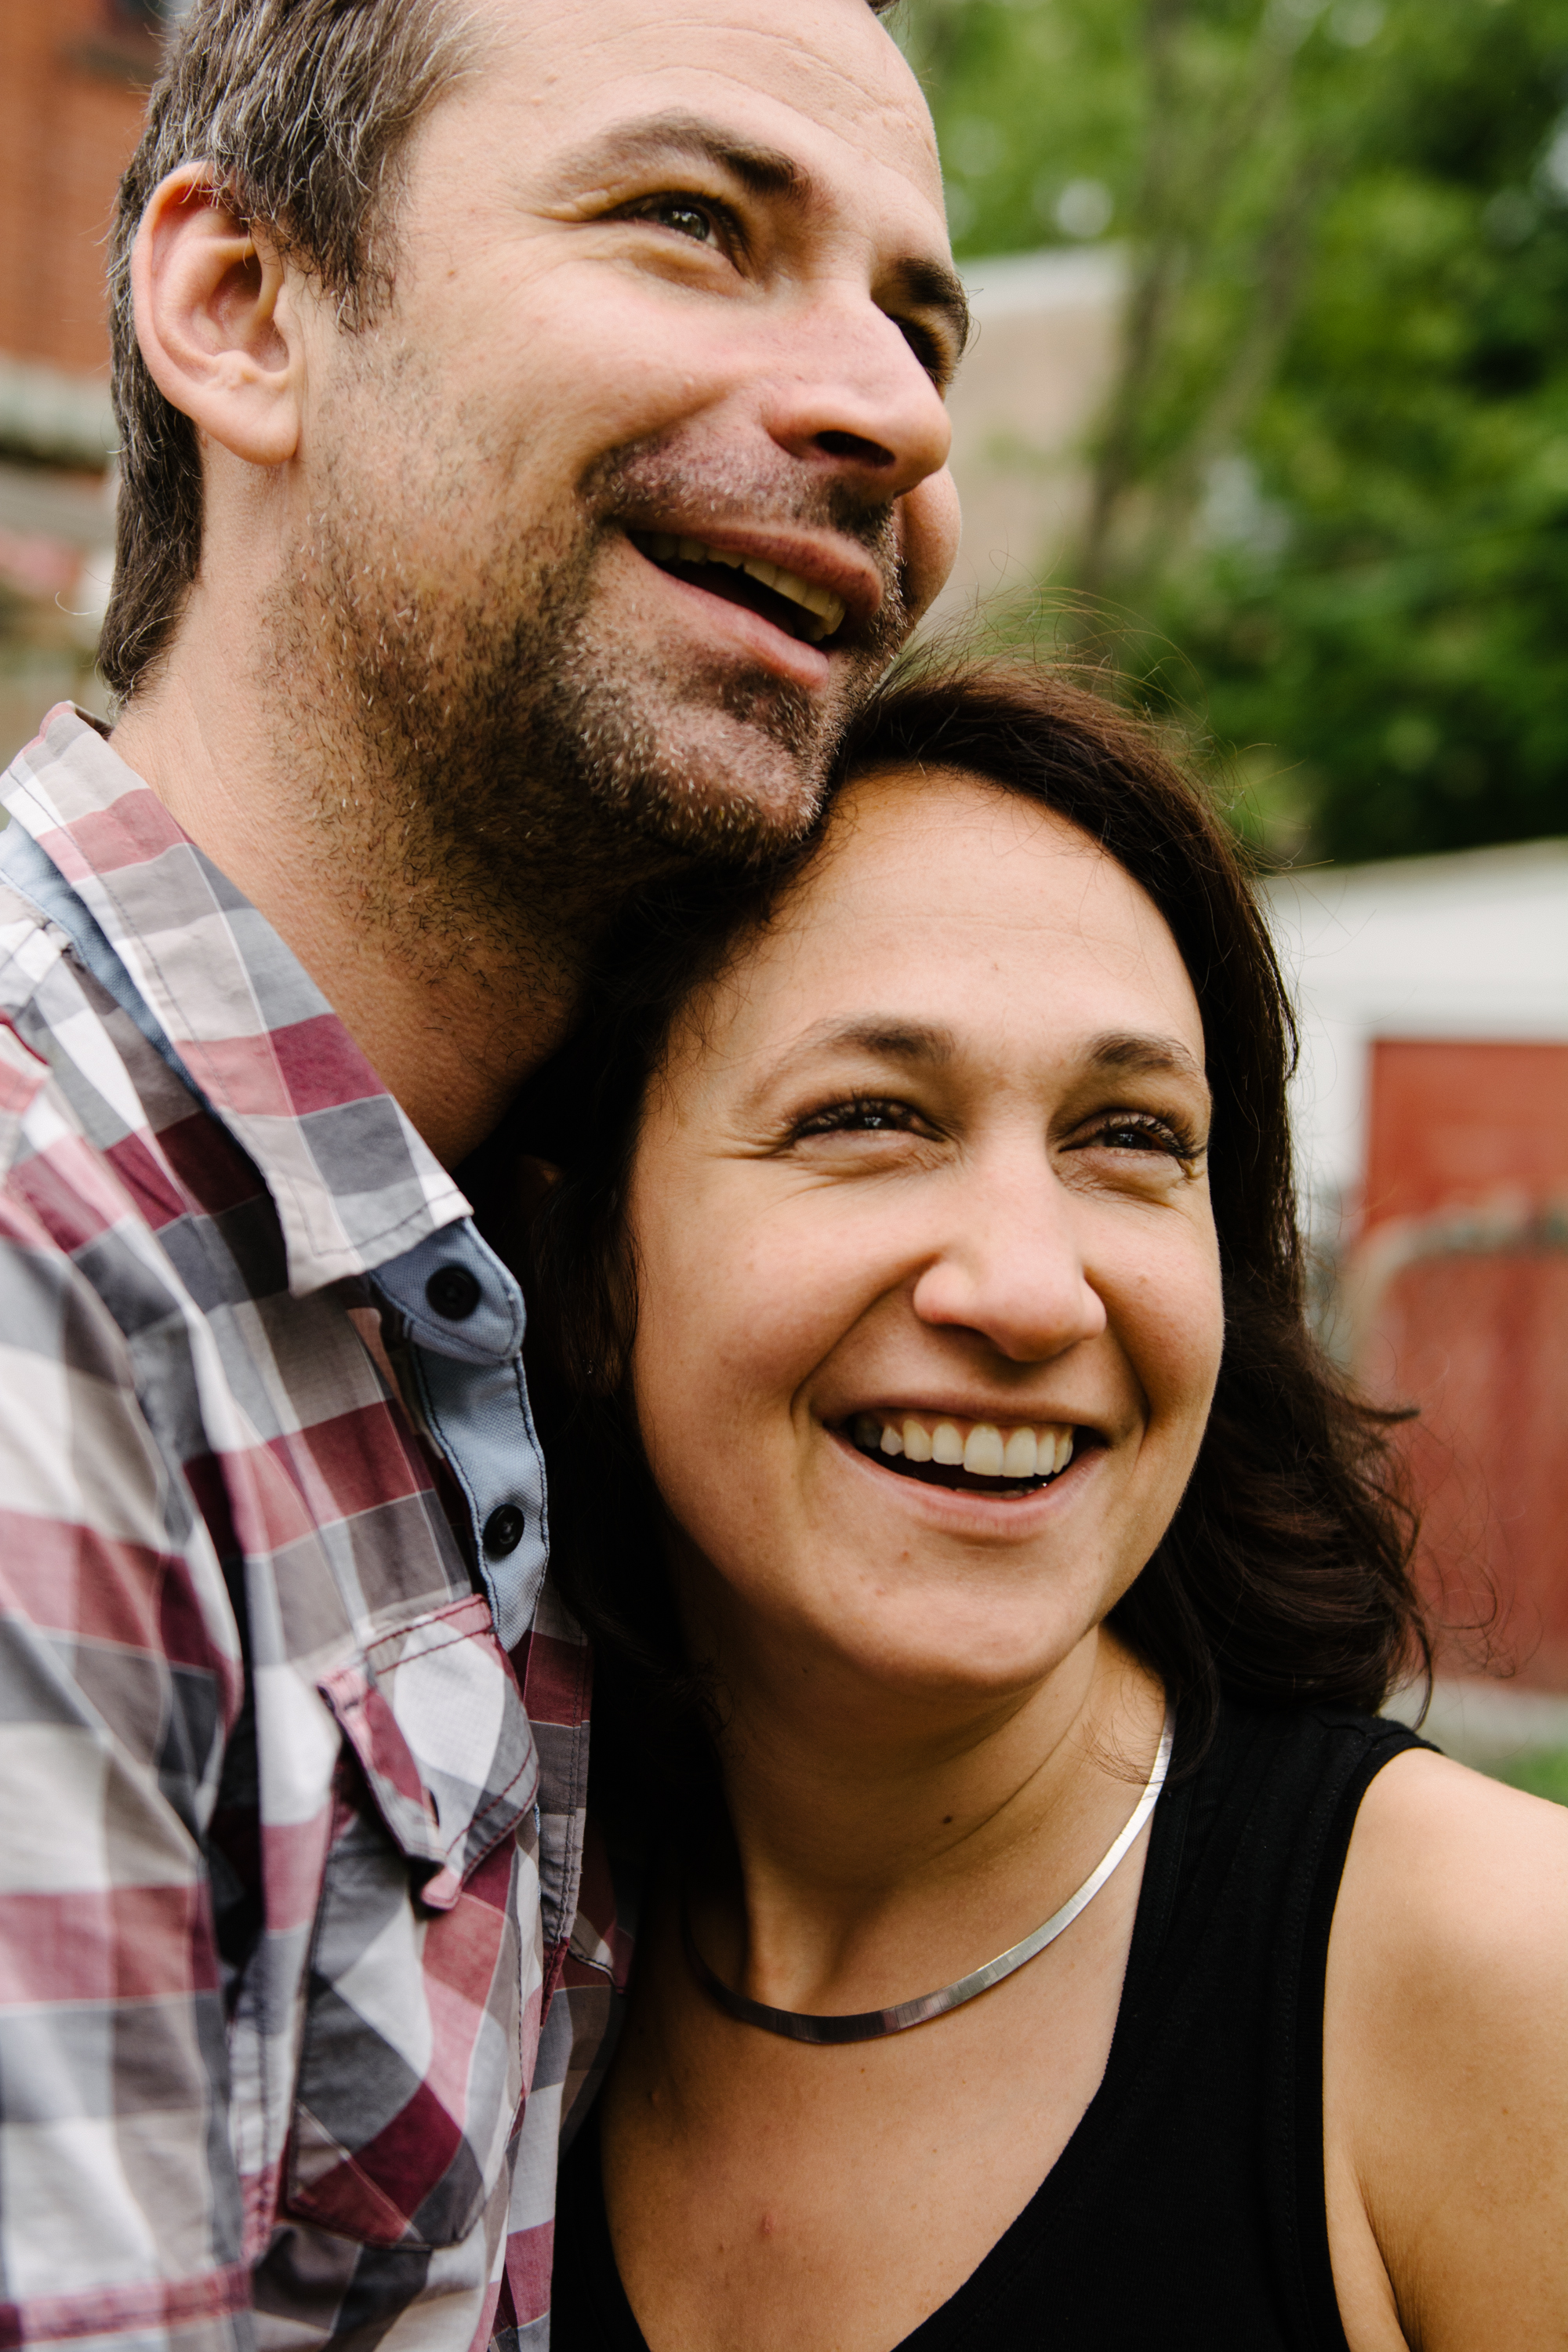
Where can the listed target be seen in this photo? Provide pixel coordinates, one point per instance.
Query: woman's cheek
(719, 1344)
(779, 1292)
(1172, 1325)
(1195, 1349)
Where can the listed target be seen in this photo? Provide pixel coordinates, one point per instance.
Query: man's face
(639, 477)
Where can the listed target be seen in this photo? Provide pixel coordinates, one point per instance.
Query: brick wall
(1463, 1270)
(73, 78)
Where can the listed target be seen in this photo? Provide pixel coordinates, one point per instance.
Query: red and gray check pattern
(297, 1972)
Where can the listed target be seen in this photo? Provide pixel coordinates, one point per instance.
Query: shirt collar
(353, 1184)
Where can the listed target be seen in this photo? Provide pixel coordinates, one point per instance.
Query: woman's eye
(1144, 1135)
(864, 1115)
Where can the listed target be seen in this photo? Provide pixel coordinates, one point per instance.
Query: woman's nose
(1013, 1272)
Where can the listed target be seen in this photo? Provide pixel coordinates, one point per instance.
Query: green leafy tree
(1329, 499)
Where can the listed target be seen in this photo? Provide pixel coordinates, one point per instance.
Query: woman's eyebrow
(1140, 1056)
(892, 1038)
(917, 1044)
(884, 1038)
(881, 1037)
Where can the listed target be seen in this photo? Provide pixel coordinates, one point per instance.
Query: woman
(935, 1436)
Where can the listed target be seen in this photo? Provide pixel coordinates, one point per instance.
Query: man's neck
(450, 1023)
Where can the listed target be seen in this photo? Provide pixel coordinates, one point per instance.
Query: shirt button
(503, 1529)
(453, 1293)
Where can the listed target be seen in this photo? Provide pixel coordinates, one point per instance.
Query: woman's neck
(889, 1842)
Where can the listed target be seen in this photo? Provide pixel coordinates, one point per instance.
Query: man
(532, 450)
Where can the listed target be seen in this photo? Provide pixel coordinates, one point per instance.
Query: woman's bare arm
(1445, 2067)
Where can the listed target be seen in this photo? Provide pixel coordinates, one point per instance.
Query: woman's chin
(946, 1646)
(960, 1678)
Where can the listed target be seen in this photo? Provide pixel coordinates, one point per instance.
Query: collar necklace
(871, 2024)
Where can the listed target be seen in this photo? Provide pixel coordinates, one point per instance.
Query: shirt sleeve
(120, 2210)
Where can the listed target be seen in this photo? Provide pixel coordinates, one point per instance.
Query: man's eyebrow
(933, 285)
(627, 146)
(1152, 1056)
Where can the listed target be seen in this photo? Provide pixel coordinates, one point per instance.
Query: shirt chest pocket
(422, 2004)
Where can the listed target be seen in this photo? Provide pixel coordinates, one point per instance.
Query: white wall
(1031, 387)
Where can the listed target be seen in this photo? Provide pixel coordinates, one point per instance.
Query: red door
(1459, 1289)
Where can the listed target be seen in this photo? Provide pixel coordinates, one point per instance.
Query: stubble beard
(492, 770)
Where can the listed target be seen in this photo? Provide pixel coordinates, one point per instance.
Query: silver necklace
(870, 2024)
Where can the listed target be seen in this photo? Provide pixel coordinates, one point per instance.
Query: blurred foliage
(1542, 1770)
(1331, 492)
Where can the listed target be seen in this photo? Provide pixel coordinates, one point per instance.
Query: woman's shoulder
(1454, 1877)
(1445, 2052)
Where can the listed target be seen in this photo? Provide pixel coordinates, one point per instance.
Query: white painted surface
(1058, 277)
(1473, 946)
(55, 413)
(1047, 330)
(1485, 1722)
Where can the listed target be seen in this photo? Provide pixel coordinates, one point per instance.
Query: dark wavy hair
(1285, 1575)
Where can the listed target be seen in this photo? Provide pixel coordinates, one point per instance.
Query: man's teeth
(826, 609)
(1036, 1451)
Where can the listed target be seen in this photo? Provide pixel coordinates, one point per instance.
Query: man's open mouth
(800, 607)
(972, 1457)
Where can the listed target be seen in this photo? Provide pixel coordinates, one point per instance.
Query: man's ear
(214, 318)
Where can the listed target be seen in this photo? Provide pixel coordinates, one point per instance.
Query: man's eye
(684, 216)
(927, 349)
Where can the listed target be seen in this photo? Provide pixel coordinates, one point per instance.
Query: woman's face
(929, 1294)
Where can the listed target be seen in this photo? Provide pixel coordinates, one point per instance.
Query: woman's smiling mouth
(973, 1458)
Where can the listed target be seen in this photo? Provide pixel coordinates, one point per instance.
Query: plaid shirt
(298, 1978)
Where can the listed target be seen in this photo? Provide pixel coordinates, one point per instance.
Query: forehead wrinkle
(861, 87)
(883, 119)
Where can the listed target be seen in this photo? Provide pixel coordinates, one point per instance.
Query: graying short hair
(302, 111)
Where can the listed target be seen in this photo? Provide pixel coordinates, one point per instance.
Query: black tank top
(1187, 2210)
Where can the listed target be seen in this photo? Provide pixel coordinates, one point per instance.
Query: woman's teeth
(825, 609)
(1037, 1450)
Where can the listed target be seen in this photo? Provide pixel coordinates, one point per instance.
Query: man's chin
(736, 786)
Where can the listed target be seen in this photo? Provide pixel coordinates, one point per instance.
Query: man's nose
(1013, 1271)
(850, 398)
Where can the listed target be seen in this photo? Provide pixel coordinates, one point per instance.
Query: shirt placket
(463, 1318)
